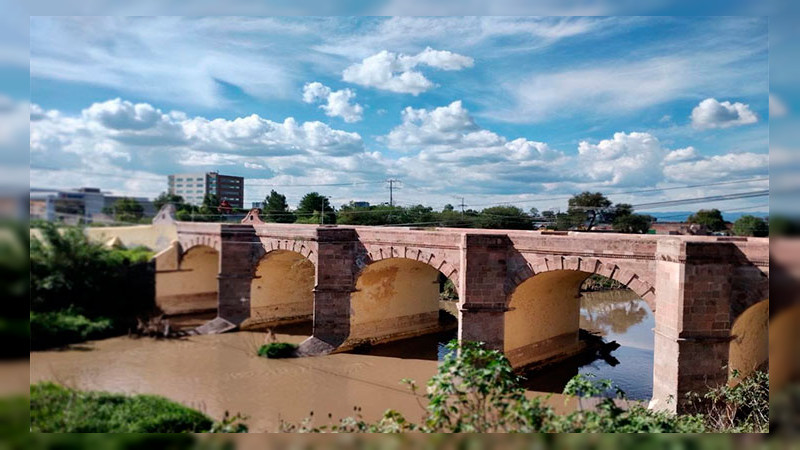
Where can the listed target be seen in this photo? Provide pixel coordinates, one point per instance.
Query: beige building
(194, 186)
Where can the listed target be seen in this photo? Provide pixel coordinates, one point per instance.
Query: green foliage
(70, 274)
(276, 209)
(711, 218)
(750, 226)
(55, 408)
(587, 206)
(505, 217)
(166, 197)
(127, 209)
(14, 287)
(277, 350)
(476, 390)
(314, 202)
(632, 223)
(780, 225)
(739, 407)
(59, 328)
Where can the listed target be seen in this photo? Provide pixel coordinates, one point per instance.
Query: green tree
(448, 207)
(127, 209)
(633, 223)
(505, 217)
(750, 226)
(315, 202)
(276, 209)
(711, 218)
(166, 197)
(587, 206)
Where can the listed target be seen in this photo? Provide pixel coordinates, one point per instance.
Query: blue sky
(519, 110)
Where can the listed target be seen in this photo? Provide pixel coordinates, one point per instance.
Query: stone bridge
(518, 290)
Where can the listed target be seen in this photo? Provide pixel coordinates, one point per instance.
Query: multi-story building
(194, 186)
(83, 205)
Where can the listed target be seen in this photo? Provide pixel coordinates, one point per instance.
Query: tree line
(586, 211)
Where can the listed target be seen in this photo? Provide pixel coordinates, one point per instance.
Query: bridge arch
(749, 346)
(397, 297)
(282, 287)
(192, 286)
(431, 258)
(642, 285)
(543, 318)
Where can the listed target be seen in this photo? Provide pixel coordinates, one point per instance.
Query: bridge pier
(335, 272)
(693, 320)
(237, 256)
(482, 288)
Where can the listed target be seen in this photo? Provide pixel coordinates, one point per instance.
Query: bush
(748, 225)
(741, 407)
(55, 329)
(71, 276)
(55, 408)
(476, 390)
(277, 350)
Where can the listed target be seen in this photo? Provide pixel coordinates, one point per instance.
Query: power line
(391, 182)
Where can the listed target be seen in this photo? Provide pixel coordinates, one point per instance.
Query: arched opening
(564, 322)
(397, 299)
(193, 287)
(282, 290)
(749, 346)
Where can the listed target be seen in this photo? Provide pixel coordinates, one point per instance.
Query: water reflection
(618, 315)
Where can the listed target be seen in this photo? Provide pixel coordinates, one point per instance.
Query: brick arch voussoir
(627, 277)
(270, 246)
(432, 259)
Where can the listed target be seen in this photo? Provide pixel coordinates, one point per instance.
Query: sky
(525, 111)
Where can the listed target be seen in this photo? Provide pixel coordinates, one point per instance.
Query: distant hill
(681, 216)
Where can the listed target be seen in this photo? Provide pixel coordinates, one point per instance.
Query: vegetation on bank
(277, 350)
(82, 290)
(55, 408)
(14, 288)
(476, 390)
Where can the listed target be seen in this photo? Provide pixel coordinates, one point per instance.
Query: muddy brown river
(215, 373)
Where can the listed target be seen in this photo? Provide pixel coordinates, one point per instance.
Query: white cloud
(719, 167)
(336, 103)
(777, 108)
(711, 113)
(395, 72)
(682, 154)
(632, 159)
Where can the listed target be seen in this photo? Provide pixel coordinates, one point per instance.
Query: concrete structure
(83, 205)
(194, 186)
(518, 290)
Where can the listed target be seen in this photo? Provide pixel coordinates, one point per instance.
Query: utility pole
(322, 214)
(462, 205)
(391, 182)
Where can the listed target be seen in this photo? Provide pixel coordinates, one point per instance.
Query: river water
(215, 373)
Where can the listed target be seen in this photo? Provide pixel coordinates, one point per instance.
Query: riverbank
(218, 373)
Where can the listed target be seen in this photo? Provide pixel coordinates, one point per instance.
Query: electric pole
(391, 182)
(462, 205)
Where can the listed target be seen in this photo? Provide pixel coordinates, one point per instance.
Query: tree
(633, 223)
(127, 209)
(315, 202)
(448, 207)
(276, 209)
(748, 225)
(534, 212)
(505, 217)
(711, 218)
(587, 206)
(166, 197)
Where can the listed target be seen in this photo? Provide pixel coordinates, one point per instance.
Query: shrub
(277, 350)
(54, 329)
(740, 407)
(476, 390)
(70, 274)
(55, 408)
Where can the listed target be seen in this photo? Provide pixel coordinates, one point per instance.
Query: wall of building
(543, 317)
(394, 298)
(282, 289)
(154, 236)
(187, 283)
